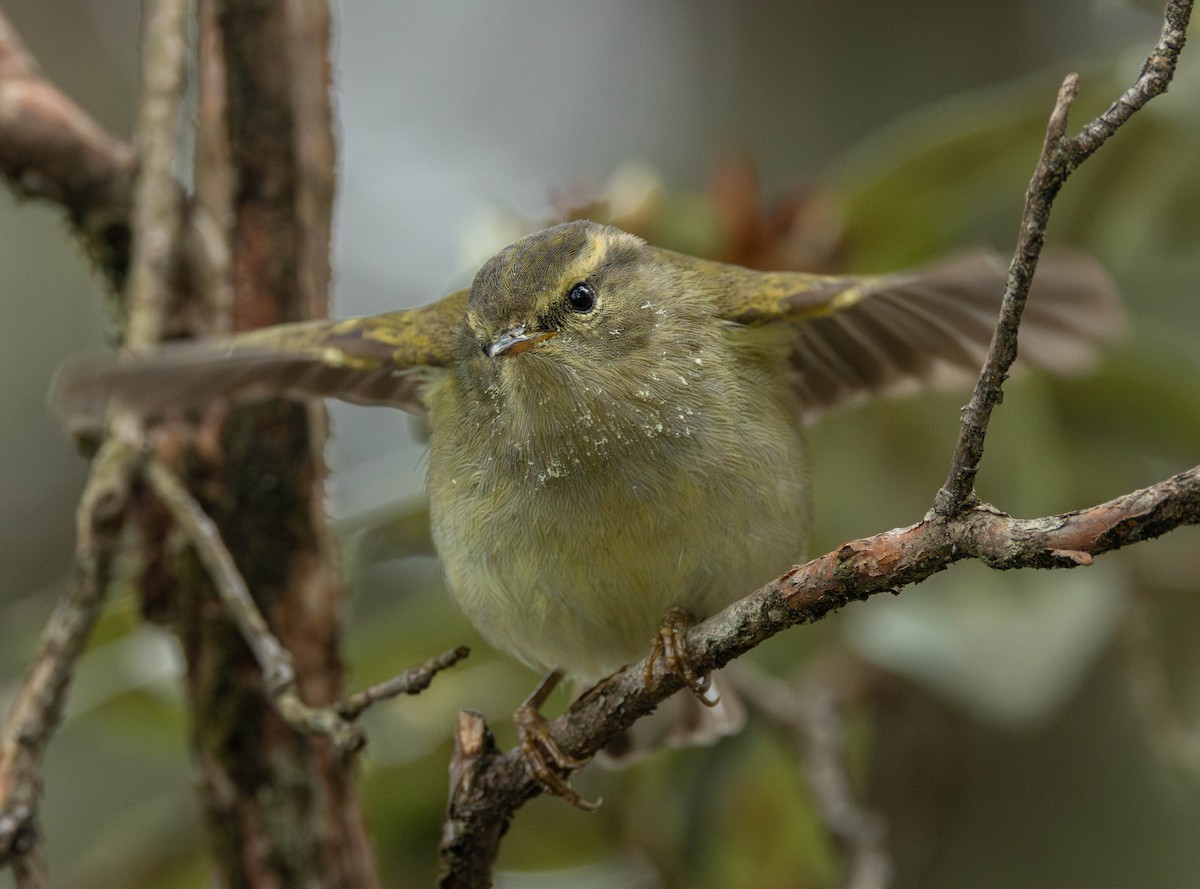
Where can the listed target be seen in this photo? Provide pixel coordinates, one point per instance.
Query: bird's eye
(582, 297)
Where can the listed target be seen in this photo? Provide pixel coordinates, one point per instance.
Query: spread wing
(854, 335)
(381, 359)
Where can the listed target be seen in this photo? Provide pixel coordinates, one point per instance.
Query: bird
(617, 431)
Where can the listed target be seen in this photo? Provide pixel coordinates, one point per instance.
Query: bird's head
(577, 291)
(579, 320)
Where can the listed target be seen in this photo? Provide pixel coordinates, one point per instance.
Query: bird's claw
(671, 645)
(545, 760)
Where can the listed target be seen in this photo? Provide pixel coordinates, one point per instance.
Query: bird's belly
(577, 571)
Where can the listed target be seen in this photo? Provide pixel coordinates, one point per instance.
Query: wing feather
(383, 359)
(932, 326)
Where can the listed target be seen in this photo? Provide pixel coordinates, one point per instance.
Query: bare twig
(158, 201)
(274, 660)
(1154, 79)
(51, 148)
(1060, 156)
(809, 717)
(272, 657)
(336, 721)
(410, 682)
(39, 703)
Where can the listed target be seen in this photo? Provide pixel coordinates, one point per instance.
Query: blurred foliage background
(1021, 729)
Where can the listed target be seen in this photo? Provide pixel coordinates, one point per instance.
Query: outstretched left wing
(381, 359)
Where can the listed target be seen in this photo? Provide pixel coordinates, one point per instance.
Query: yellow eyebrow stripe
(588, 260)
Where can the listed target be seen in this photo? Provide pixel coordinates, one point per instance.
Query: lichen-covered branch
(158, 200)
(38, 706)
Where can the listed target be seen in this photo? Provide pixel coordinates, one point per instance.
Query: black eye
(582, 297)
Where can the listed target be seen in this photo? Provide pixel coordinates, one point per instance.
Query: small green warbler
(617, 430)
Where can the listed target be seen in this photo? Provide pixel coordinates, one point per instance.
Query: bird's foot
(544, 759)
(671, 645)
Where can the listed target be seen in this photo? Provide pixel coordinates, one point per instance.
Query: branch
(255, 253)
(158, 200)
(265, 92)
(470, 843)
(410, 682)
(279, 675)
(498, 784)
(274, 660)
(38, 706)
(1060, 157)
(51, 148)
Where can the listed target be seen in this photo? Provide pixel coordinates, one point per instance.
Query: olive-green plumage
(616, 429)
(641, 458)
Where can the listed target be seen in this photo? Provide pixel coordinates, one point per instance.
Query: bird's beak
(515, 341)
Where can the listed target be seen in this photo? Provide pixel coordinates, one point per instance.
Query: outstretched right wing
(381, 359)
(930, 326)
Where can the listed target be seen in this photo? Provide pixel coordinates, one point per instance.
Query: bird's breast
(568, 528)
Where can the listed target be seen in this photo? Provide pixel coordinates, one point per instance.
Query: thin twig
(410, 682)
(274, 660)
(810, 719)
(336, 721)
(38, 706)
(276, 663)
(158, 201)
(1155, 77)
(1059, 158)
